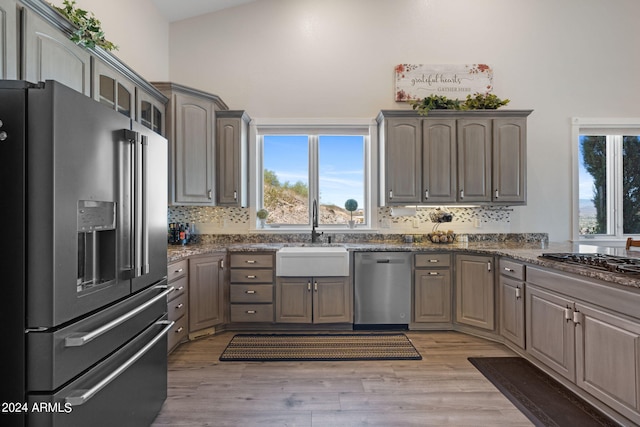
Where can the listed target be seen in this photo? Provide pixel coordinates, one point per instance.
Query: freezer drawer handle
(81, 338)
(79, 397)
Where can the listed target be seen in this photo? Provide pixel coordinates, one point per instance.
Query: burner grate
(611, 263)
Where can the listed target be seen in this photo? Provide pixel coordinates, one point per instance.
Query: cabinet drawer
(251, 276)
(433, 260)
(177, 333)
(180, 287)
(250, 260)
(251, 293)
(177, 307)
(177, 269)
(252, 312)
(512, 269)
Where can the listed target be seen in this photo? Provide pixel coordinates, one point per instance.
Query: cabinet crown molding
(453, 113)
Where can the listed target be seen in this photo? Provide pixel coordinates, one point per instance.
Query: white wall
(138, 29)
(335, 58)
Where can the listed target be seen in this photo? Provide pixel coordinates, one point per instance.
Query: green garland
(478, 101)
(88, 32)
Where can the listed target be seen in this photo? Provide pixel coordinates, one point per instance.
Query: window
(328, 166)
(608, 204)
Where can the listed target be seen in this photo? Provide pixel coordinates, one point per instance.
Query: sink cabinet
(453, 157)
(313, 300)
(432, 289)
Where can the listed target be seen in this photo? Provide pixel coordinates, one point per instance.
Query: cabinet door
(550, 331)
(294, 300)
(231, 142)
(113, 89)
(403, 152)
(474, 291)
(331, 300)
(150, 112)
(206, 279)
(474, 160)
(49, 55)
(608, 359)
(193, 154)
(8, 40)
(512, 310)
(509, 160)
(439, 160)
(432, 296)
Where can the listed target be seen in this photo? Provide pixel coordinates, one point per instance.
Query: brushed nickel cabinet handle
(251, 276)
(251, 312)
(250, 292)
(251, 261)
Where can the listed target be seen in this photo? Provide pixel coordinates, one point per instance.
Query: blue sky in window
(585, 179)
(341, 164)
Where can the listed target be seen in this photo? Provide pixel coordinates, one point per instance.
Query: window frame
(609, 127)
(313, 128)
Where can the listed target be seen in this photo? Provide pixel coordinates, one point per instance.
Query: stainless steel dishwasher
(382, 289)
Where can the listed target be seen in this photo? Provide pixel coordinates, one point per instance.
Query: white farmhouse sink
(304, 261)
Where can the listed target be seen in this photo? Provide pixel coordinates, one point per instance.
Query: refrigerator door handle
(80, 397)
(82, 338)
(141, 226)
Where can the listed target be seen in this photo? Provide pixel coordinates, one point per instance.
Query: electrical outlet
(416, 222)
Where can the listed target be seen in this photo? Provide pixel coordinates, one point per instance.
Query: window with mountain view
(609, 184)
(297, 169)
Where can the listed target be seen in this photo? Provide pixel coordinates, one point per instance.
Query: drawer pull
(178, 270)
(251, 277)
(434, 273)
(179, 289)
(510, 270)
(250, 292)
(251, 261)
(180, 329)
(434, 260)
(179, 306)
(251, 312)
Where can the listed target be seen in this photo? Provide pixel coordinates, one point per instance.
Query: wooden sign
(417, 81)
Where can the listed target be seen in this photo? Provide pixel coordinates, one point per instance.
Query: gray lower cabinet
(511, 291)
(251, 287)
(178, 303)
(597, 348)
(48, 54)
(9, 43)
(313, 300)
(206, 291)
(432, 288)
(475, 291)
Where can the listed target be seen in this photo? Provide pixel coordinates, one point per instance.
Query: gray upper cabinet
(509, 159)
(439, 160)
(48, 54)
(191, 132)
(113, 89)
(453, 157)
(403, 161)
(232, 129)
(8, 40)
(151, 111)
(474, 160)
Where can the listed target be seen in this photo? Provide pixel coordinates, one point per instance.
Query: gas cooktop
(598, 261)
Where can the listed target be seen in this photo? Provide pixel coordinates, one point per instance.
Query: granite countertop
(526, 252)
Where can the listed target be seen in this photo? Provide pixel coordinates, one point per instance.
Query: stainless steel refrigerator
(84, 199)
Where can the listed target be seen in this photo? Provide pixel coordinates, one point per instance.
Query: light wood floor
(441, 389)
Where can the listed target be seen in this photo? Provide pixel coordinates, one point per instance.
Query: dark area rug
(309, 347)
(539, 397)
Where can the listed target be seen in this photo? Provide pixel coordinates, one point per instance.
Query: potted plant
(262, 215)
(351, 205)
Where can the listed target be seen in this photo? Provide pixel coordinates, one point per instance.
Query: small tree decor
(351, 205)
(262, 215)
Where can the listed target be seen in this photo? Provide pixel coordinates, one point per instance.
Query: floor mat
(286, 347)
(542, 399)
